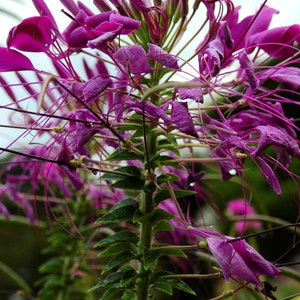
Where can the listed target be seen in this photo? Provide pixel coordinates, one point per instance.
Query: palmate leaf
(123, 211)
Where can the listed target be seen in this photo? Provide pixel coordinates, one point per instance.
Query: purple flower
(32, 34)
(239, 260)
(236, 258)
(94, 31)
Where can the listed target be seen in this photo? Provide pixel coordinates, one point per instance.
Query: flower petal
(182, 119)
(12, 60)
(133, 58)
(32, 34)
(163, 57)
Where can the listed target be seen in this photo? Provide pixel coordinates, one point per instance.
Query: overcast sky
(289, 11)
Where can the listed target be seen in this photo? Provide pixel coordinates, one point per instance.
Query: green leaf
(125, 236)
(165, 194)
(51, 265)
(179, 284)
(167, 178)
(123, 172)
(163, 286)
(111, 293)
(108, 281)
(166, 145)
(121, 212)
(166, 160)
(176, 282)
(116, 249)
(156, 216)
(118, 260)
(162, 226)
(171, 252)
(129, 183)
(124, 155)
(128, 295)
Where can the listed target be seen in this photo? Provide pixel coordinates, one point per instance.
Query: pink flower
(240, 207)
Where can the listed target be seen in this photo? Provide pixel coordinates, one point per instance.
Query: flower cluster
(114, 127)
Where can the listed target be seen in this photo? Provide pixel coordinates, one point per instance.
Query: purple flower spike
(32, 34)
(164, 58)
(133, 58)
(182, 119)
(12, 60)
(239, 260)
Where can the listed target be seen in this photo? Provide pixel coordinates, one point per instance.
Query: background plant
(145, 161)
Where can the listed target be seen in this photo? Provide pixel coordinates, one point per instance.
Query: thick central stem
(146, 207)
(145, 246)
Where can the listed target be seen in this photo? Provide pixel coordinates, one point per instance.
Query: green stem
(145, 246)
(11, 274)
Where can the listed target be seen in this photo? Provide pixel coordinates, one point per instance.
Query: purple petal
(32, 34)
(74, 177)
(210, 59)
(133, 58)
(249, 26)
(270, 135)
(248, 67)
(91, 90)
(277, 42)
(254, 260)
(182, 119)
(225, 34)
(12, 60)
(164, 58)
(129, 24)
(289, 75)
(191, 93)
(269, 175)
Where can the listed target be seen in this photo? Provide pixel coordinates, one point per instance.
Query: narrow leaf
(125, 236)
